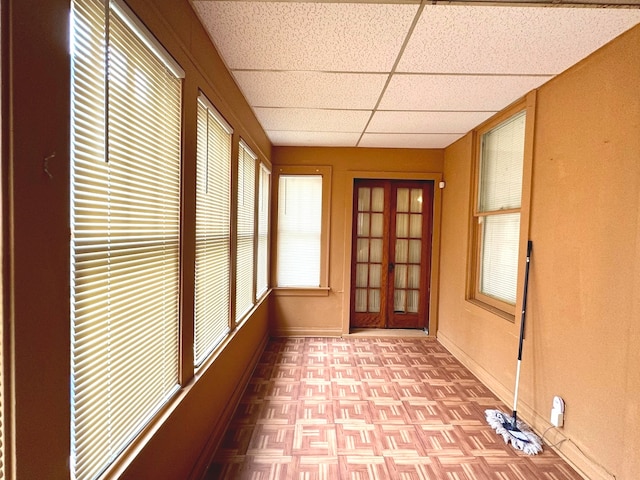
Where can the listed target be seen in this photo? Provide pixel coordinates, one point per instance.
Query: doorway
(391, 253)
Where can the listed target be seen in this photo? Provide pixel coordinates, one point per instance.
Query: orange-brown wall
(583, 338)
(329, 315)
(36, 79)
(583, 334)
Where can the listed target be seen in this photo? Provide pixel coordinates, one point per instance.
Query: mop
(512, 429)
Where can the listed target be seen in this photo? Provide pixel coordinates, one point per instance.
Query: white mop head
(521, 437)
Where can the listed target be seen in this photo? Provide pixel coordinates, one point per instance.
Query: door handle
(391, 267)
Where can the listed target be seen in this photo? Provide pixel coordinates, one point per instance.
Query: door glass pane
(377, 199)
(375, 274)
(376, 250)
(361, 300)
(415, 227)
(414, 276)
(414, 251)
(363, 224)
(377, 224)
(400, 276)
(402, 204)
(364, 195)
(402, 248)
(402, 225)
(363, 250)
(374, 300)
(416, 200)
(399, 298)
(362, 272)
(412, 301)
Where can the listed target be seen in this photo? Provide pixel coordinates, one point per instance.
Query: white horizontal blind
(500, 256)
(299, 230)
(500, 189)
(246, 230)
(125, 214)
(213, 180)
(262, 275)
(501, 165)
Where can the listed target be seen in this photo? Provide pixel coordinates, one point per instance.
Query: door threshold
(388, 332)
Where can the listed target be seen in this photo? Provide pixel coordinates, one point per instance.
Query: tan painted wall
(329, 315)
(583, 334)
(36, 219)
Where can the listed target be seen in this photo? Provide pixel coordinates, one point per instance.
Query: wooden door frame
(349, 178)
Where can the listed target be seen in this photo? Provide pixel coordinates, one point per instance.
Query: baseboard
(306, 332)
(209, 450)
(566, 448)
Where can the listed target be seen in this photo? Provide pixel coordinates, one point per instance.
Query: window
(299, 227)
(125, 220)
(302, 227)
(264, 192)
(212, 256)
(245, 282)
(497, 213)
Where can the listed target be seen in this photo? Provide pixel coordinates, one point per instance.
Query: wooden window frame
(473, 294)
(263, 229)
(209, 302)
(132, 269)
(244, 150)
(326, 173)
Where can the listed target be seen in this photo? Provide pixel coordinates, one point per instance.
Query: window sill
(301, 291)
(494, 310)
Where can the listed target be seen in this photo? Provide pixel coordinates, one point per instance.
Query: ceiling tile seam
(393, 72)
(312, 131)
(385, 110)
(407, 37)
(474, 74)
(414, 133)
(327, 109)
(366, 133)
(332, 72)
(380, 110)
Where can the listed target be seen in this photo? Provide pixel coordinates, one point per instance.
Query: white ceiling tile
(302, 119)
(408, 140)
(456, 92)
(307, 36)
(425, 122)
(311, 89)
(317, 139)
(491, 39)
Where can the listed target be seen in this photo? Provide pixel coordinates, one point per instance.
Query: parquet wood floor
(359, 408)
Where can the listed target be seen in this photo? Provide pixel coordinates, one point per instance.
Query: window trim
(263, 169)
(121, 452)
(473, 294)
(211, 111)
(240, 317)
(326, 172)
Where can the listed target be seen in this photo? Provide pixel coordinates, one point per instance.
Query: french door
(391, 253)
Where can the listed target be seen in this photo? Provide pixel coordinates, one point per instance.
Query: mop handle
(524, 298)
(522, 322)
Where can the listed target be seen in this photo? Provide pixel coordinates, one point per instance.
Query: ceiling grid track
(393, 69)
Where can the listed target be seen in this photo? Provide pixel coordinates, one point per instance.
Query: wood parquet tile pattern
(369, 408)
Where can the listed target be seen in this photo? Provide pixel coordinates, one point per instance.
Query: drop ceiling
(398, 74)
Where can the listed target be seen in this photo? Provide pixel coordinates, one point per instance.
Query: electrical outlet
(557, 418)
(557, 412)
